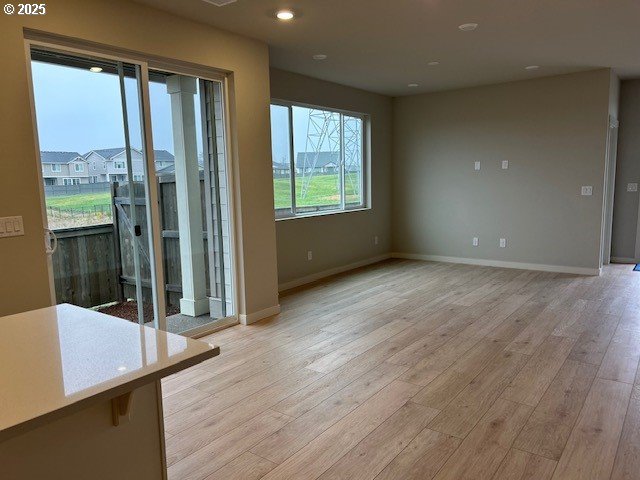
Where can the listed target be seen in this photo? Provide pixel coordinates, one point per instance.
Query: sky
(78, 110)
(280, 133)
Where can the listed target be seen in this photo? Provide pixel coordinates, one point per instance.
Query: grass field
(83, 202)
(323, 190)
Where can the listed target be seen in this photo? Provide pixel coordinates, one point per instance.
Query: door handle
(50, 241)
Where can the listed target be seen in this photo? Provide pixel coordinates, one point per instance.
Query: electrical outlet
(632, 187)
(503, 243)
(375, 240)
(505, 164)
(475, 241)
(586, 190)
(476, 166)
(309, 255)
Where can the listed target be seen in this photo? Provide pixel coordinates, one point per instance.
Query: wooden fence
(94, 265)
(85, 266)
(170, 238)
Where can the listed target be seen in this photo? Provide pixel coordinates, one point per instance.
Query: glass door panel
(191, 172)
(93, 163)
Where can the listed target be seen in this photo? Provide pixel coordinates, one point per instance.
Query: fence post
(116, 240)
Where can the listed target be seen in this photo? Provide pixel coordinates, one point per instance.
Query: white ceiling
(383, 45)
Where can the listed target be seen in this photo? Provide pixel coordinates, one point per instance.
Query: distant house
(110, 164)
(281, 169)
(64, 168)
(318, 162)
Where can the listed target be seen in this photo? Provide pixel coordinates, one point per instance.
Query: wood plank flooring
(421, 370)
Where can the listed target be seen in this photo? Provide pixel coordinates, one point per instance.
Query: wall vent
(220, 3)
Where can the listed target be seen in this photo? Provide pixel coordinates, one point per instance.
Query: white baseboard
(500, 263)
(332, 271)
(247, 319)
(623, 260)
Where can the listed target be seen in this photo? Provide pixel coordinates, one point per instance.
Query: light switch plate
(476, 166)
(505, 164)
(475, 242)
(503, 243)
(11, 227)
(587, 190)
(632, 187)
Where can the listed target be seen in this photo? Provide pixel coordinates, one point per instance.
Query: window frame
(365, 185)
(56, 168)
(78, 167)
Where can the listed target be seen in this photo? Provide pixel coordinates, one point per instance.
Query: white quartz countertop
(57, 360)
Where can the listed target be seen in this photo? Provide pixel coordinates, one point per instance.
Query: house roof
(317, 159)
(281, 165)
(108, 153)
(163, 156)
(58, 157)
(171, 169)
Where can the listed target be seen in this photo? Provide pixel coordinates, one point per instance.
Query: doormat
(637, 267)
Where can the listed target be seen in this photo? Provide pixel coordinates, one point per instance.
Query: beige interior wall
(553, 133)
(121, 24)
(344, 238)
(625, 206)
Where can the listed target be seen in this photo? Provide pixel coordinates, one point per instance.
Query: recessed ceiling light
(95, 69)
(122, 369)
(412, 85)
(435, 62)
(285, 15)
(320, 56)
(468, 27)
(532, 67)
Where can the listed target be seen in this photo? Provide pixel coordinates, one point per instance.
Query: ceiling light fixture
(285, 15)
(532, 67)
(95, 69)
(468, 27)
(433, 63)
(320, 56)
(412, 85)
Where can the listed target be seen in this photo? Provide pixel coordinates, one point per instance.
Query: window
(137, 177)
(317, 160)
(94, 165)
(119, 165)
(71, 181)
(78, 167)
(56, 167)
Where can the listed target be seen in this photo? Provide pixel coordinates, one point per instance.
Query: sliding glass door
(134, 174)
(188, 128)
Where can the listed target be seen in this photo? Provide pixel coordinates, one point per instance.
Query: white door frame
(609, 189)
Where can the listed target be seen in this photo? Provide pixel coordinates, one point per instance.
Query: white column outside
(194, 301)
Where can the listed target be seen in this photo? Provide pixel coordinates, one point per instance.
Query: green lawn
(83, 202)
(323, 190)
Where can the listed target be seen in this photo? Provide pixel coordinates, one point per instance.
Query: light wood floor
(417, 370)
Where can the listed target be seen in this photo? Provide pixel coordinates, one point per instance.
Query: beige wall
(23, 283)
(553, 133)
(625, 206)
(344, 238)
